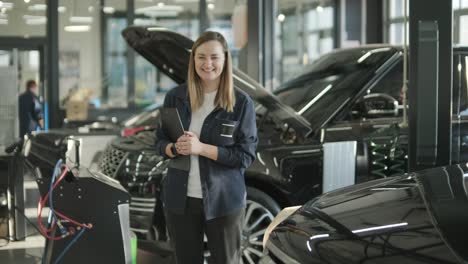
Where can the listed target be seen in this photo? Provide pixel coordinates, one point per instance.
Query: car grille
(137, 166)
(111, 160)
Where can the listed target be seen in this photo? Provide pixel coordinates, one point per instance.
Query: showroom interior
(360, 105)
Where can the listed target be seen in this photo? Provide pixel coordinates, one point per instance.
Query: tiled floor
(30, 250)
(22, 252)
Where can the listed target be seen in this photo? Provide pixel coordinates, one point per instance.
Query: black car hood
(170, 53)
(345, 224)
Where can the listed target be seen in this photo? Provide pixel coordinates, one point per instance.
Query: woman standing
(221, 140)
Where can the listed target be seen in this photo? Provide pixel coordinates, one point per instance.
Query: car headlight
(285, 213)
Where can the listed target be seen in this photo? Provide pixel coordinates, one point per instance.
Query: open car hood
(170, 52)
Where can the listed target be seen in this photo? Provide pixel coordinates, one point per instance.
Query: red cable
(41, 204)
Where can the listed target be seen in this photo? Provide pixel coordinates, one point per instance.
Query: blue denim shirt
(222, 181)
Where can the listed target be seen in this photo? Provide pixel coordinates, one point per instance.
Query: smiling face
(209, 61)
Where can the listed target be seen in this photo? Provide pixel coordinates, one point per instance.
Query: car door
(381, 140)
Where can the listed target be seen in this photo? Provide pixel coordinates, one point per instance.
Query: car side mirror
(379, 105)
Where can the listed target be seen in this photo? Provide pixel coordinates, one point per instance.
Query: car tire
(260, 197)
(260, 210)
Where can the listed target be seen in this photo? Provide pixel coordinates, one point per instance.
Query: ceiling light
(160, 4)
(319, 8)
(80, 19)
(32, 17)
(27, 1)
(37, 7)
(186, 1)
(211, 6)
(161, 13)
(3, 10)
(35, 20)
(62, 9)
(281, 17)
(6, 5)
(90, 9)
(169, 8)
(144, 22)
(77, 28)
(108, 10)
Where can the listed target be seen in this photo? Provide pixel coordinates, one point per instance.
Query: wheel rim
(257, 219)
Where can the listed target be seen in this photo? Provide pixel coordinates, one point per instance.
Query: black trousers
(186, 231)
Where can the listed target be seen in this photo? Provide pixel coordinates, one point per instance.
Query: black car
(336, 124)
(145, 119)
(415, 218)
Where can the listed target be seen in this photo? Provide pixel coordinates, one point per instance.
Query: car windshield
(330, 82)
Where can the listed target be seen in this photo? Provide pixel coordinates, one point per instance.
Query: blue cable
(69, 245)
(51, 213)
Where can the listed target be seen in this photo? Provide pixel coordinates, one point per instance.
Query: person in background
(30, 110)
(221, 140)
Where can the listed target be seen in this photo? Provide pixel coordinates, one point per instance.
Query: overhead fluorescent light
(211, 6)
(7, 5)
(168, 8)
(36, 21)
(186, 1)
(108, 10)
(37, 7)
(3, 21)
(32, 17)
(81, 19)
(144, 22)
(27, 1)
(62, 9)
(77, 28)
(161, 13)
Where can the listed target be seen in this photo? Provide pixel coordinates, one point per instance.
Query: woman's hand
(189, 144)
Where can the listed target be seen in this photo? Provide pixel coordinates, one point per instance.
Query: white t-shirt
(198, 117)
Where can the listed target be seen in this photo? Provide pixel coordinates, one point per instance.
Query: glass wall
(94, 57)
(180, 16)
(115, 76)
(21, 19)
(80, 72)
(230, 19)
(304, 31)
(394, 20)
(460, 22)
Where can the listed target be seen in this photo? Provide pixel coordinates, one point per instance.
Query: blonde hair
(225, 97)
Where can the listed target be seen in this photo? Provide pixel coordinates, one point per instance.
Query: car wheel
(259, 212)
